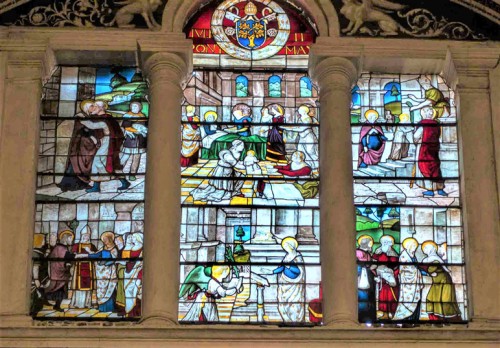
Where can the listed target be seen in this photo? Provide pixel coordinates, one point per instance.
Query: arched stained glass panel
(305, 87)
(409, 235)
(274, 85)
(241, 85)
(87, 249)
(250, 170)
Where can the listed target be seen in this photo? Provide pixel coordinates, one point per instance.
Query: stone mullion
(335, 77)
(21, 94)
(481, 208)
(165, 72)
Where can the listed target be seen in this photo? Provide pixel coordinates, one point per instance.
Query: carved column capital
(167, 67)
(333, 73)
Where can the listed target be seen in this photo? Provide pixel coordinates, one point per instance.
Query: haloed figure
(428, 166)
(105, 272)
(371, 141)
(387, 287)
(441, 299)
(291, 283)
(191, 137)
(275, 151)
(411, 283)
(59, 269)
(308, 142)
(106, 164)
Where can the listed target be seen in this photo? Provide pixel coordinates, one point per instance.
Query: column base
(159, 320)
(485, 323)
(15, 320)
(341, 322)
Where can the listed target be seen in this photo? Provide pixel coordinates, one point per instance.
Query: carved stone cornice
(77, 47)
(28, 61)
(408, 56)
(469, 70)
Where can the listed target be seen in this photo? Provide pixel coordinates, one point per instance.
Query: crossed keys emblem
(251, 32)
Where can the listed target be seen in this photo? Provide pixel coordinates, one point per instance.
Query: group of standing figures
(100, 147)
(426, 136)
(108, 279)
(241, 156)
(390, 286)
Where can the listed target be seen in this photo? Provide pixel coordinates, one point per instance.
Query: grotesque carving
(359, 12)
(146, 8)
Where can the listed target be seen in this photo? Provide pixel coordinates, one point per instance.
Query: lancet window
(409, 234)
(250, 169)
(88, 238)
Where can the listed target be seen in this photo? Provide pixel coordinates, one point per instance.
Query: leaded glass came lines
(409, 234)
(88, 241)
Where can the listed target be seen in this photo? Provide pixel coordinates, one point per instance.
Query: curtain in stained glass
(87, 254)
(409, 235)
(250, 171)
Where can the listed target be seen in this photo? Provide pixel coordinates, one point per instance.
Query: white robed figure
(105, 271)
(291, 287)
(411, 283)
(225, 183)
(308, 141)
(133, 275)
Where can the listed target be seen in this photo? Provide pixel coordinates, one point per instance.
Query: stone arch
(178, 12)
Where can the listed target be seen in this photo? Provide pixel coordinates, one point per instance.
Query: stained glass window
(409, 234)
(251, 34)
(87, 252)
(250, 170)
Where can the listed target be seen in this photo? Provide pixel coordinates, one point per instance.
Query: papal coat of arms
(250, 30)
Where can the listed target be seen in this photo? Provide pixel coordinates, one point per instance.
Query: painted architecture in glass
(250, 170)
(87, 248)
(409, 234)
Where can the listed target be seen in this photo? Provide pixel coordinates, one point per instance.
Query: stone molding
(34, 61)
(72, 336)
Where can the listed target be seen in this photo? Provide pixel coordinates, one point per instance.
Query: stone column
(335, 77)
(166, 72)
(495, 108)
(21, 93)
(481, 209)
